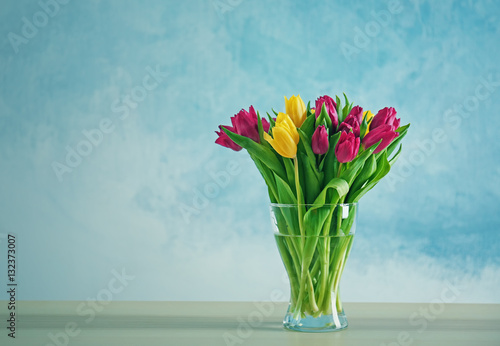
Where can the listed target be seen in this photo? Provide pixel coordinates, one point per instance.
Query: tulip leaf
(362, 129)
(258, 150)
(271, 120)
(290, 171)
(260, 128)
(305, 143)
(308, 125)
(311, 180)
(350, 173)
(268, 176)
(383, 167)
(396, 156)
(285, 193)
(402, 133)
(366, 172)
(338, 186)
(330, 163)
(339, 110)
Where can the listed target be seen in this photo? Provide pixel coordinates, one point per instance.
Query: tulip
(246, 124)
(367, 116)
(350, 124)
(386, 116)
(296, 109)
(383, 132)
(357, 112)
(285, 136)
(319, 141)
(347, 147)
(224, 139)
(331, 109)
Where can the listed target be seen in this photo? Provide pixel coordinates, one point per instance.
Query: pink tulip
(357, 112)
(383, 132)
(347, 147)
(331, 109)
(319, 141)
(350, 123)
(385, 116)
(245, 124)
(224, 139)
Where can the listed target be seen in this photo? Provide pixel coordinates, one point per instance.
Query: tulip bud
(382, 132)
(296, 110)
(331, 108)
(319, 141)
(285, 136)
(385, 116)
(357, 112)
(347, 147)
(350, 124)
(224, 139)
(245, 124)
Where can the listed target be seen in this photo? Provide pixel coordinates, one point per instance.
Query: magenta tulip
(245, 124)
(383, 132)
(319, 141)
(385, 116)
(347, 147)
(224, 139)
(350, 124)
(331, 109)
(357, 112)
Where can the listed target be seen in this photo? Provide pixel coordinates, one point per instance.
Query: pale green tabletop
(245, 323)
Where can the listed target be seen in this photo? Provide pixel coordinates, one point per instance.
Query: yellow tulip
(367, 116)
(296, 109)
(285, 136)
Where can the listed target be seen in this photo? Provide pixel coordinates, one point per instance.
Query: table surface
(245, 323)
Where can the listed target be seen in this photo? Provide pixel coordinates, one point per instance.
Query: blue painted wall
(108, 166)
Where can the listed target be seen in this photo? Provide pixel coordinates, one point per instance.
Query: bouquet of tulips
(316, 159)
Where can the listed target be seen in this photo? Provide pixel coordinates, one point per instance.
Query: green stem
(338, 172)
(299, 199)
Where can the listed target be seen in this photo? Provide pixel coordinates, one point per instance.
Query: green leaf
(308, 125)
(383, 167)
(305, 143)
(268, 176)
(355, 165)
(290, 171)
(285, 193)
(260, 128)
(330, 165)
(366, 172)
(340, 188)
(402, 133)
(339, 110)
(396, 156)
(311, 180)
(263, 153)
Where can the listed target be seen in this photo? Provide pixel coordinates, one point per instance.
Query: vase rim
(311, 204)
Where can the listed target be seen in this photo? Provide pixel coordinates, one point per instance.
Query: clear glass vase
(314, 243)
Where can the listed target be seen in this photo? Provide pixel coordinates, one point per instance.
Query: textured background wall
(107, 119)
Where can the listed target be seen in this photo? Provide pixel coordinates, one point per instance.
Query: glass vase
(314, 243)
